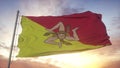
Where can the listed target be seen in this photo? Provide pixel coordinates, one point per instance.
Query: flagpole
(13, 39)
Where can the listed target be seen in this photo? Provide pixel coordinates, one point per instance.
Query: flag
(48, 35)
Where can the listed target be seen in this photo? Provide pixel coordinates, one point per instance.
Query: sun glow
(75, 60)
(4, 52)
(85, 59)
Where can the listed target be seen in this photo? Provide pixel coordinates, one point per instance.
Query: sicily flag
(48, 35)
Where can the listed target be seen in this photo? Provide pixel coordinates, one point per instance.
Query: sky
(106, 57)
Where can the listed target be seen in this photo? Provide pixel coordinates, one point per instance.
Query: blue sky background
(110, 10)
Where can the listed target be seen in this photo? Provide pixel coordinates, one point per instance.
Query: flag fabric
(48, 35)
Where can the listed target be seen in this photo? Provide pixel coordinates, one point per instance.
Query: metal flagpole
(13, 39)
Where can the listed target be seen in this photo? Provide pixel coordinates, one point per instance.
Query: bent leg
(75, 35)
(51, 40)
(59, 25)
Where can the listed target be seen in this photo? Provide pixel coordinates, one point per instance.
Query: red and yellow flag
(47, 35)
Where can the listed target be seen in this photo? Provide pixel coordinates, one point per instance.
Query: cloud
(68, 10)
(49, 7)
(40, 7)
(111, 52)
(112, 64)
(116, 21)
(115, 27)
(1, 27)
(70, 7)
(24, 64)
(2, 45)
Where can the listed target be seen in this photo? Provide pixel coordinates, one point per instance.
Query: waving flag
(48, 35)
